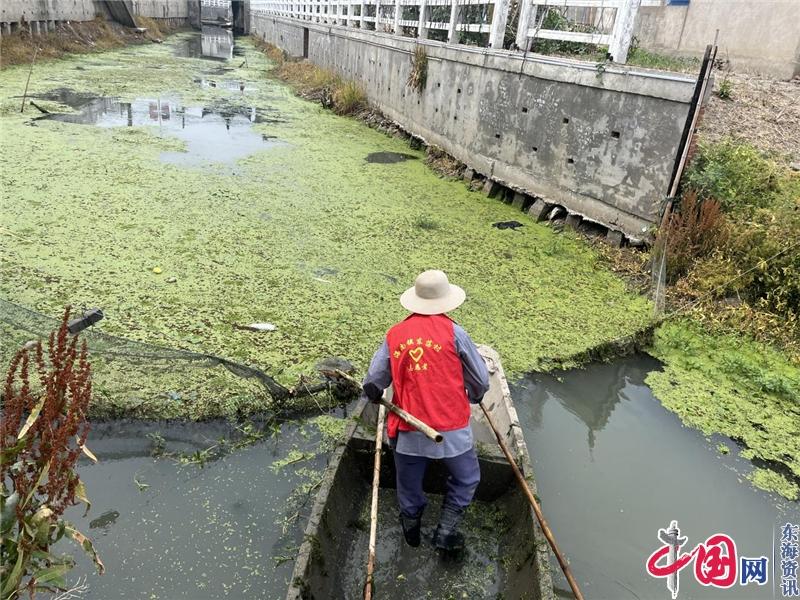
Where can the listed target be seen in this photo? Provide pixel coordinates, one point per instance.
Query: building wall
(761, 36)
(161, 9)
(601, 144)
(12, 12)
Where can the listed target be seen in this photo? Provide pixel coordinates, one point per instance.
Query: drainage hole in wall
(570, 161)
(438, 84)
(497, 135)
(566, 120)
(615, 134)
(455, 117)
(458, 91)
(534, 148)
(525, 109)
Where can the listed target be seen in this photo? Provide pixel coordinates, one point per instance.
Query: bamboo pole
(536, 509)
(373, 515)
(25, 94)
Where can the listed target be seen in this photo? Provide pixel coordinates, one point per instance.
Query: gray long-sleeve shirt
(476, 383)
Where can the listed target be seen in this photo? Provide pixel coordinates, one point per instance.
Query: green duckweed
(733, 386)
(304, 234)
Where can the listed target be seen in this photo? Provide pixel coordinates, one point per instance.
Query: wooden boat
(506, 555)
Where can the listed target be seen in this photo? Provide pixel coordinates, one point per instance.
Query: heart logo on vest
(416, 354)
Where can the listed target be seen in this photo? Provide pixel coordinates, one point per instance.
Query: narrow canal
(612, 465)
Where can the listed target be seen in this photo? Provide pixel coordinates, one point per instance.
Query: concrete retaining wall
(602, 144)
(761, 36)
(42, 15)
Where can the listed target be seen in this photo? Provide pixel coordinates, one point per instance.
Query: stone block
(573, 221)
(538, 210)
(615, 238)
(491, 188)
(469, 174)
(521, 201)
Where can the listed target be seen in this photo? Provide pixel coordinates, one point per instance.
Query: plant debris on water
(538, 298)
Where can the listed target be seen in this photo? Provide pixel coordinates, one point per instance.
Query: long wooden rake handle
(373, 515)
(536, 509)
(413, 421)
(406, 416)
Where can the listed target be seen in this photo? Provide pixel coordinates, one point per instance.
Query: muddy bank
(77, 37)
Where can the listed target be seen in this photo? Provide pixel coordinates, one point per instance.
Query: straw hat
(432, 294)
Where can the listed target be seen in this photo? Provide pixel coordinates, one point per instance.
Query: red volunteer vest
(427, 374)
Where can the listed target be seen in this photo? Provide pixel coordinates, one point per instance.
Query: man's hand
(373, 392)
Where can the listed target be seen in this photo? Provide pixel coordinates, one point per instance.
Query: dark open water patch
(613, 466)
(166, 530)
(218, 134)
(386, 158)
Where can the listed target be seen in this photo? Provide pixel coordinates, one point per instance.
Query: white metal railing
(481, 22)
(608, 22)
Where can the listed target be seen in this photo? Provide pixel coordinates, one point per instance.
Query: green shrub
(735, 174)
(725, 90)
(556, 20)
(774, 281)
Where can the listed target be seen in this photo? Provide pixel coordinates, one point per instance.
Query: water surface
(613, 466)
(172, 531)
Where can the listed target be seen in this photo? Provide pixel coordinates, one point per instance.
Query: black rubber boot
(447, 538)
(411, 528)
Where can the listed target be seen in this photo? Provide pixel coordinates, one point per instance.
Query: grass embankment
(304, 234)
(313, 83)
(77, 37)
(732, 365)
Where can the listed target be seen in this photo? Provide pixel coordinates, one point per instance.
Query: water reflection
(609, 386)
(613, 466)
(212, 135)
(213, 42)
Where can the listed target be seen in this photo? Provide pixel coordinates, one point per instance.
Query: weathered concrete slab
(601, 144)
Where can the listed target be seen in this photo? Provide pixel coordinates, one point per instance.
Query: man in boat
(436, 372)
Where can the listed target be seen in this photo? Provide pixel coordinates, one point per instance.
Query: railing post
(452, 28)
(361, 22)
(422, 26)
(398, 12)
(623, 30)
(526, 11)
(499, 18)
